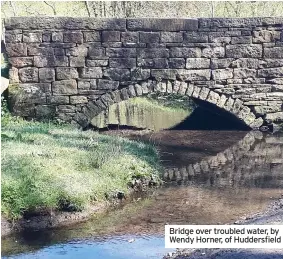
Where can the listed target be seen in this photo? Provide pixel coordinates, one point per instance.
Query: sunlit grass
(45, 166)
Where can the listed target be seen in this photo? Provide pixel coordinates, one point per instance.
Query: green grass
(47, 166)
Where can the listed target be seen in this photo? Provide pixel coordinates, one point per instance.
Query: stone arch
(233, 106)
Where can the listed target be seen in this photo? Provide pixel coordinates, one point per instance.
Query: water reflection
(211, 178)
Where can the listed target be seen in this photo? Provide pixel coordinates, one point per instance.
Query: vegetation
(159, 9)
(47, 166)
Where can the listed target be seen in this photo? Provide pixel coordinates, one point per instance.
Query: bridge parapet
(62, 67)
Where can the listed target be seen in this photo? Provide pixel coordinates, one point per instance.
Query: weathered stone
(132, 91)
(245, 63)
(58, 99)
(153, 53)
(117, 74)
(275, 117)
(28, 74)
(164, 74)
(32, 37)
(64, 87)
(213, 97)
(97, 63)
(96, 52)
(13, 75)
(110, 36)
(21, 61)
(140, 74)
(185, 52)
(221, 62)
(77, 51)
(153, 63)
(191, 75)
(241, 40)
(265, 36)
(196, 92)
(213, 52)
(195, 37)
(217, 39)
(130, 37)
(244, 51)
(66, 73)
(220, 74)
(176, 63)
(244, 73)
(198, 63)
(90, 72)
(171, 36)
(78, 99)
(271, 72)
(90, 36)
(203, 93)
(222, 100)
(122, 62)
(13, 36)
(275, 52)
(46, 75)
(77, 61)
(73, 37)
(121, 52)
(57, 36)
(45, 112)
(16, 49)
(124, 94)
(107, 84)
(264, 109)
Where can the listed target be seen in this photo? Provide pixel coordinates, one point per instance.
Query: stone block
(197, 63)
(96, 52)
(221, 62)
(153, 53)
(275, 52)
(58, 99)
(91, 36)
(213, 97)
(275, 117)
(157, 24)
(271, 72)
(63, 73)
(73, 37)
(46, 37)
(90, 72)
(244, 73)
(140, 74)
(64, 87)
(16, 49)
(194, 74)
(107, 84)
(241, 40)
(81, 50)
(14, 36)
(265, 36)
(45, 112)
(195, 37)
(122, 62)
(13, 75)
(213, 52)
(164, 73)
(177, 52)
(97, 63)
(244, 51)
(32, 37)
(110, 36)
(46, 75)
(176, 63)
(171, 37)
(77, 61)
(220, 74)
(78, 99)
(35, 50)
(28, 74)
(121, 52)
(216, 39)
(129, 37)
(117, 74)
(203, 93)
(21, 61)
(153, 63)
(245, 63)
(57, 36)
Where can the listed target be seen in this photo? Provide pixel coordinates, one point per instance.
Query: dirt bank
(273, 215)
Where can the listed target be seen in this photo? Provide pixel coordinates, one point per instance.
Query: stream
(210, 177)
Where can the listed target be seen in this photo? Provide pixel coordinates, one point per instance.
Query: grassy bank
(46, 166)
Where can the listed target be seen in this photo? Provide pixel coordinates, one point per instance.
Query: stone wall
(70, 69)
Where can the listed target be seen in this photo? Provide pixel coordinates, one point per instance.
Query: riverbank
(53, 175)
(273, 215)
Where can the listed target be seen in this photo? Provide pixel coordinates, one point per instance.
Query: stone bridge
(71, 69)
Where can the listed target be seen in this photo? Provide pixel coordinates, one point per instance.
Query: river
(210, 177)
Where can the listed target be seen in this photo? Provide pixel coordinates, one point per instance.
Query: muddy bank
(273, 215)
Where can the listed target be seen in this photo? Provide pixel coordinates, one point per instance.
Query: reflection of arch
(253, 161)
(234, 106)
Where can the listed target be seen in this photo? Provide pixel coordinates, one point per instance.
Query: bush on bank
(47, 166)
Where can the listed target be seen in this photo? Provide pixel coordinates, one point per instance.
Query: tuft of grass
(47, 166)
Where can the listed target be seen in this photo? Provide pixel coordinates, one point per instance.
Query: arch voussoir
(231, 105)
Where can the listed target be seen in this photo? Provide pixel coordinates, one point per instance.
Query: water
(211, 177)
